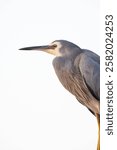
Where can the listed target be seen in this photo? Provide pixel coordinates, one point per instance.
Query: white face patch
(55, 51)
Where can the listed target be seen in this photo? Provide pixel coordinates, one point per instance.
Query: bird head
(56, 48)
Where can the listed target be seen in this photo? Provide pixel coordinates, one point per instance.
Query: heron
(78, 70)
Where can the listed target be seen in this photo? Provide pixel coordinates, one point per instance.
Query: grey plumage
(77, 69)
(79, 72)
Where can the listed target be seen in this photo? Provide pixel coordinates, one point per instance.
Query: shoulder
(87, 58)
(87, 54)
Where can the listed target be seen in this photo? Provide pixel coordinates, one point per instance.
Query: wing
(89, 66)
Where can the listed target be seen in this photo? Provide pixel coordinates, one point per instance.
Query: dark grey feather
(81, 77)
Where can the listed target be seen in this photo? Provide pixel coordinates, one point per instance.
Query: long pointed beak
(47, 48)
(40, 48)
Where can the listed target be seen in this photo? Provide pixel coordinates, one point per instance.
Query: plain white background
(36, 112)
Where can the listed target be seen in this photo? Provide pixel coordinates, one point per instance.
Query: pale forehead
(56, 43)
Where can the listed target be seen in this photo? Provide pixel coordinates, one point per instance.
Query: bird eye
(54, 46)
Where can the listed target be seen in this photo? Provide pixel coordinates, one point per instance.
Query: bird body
(78, 70)
(72, 76)
(80, 75)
